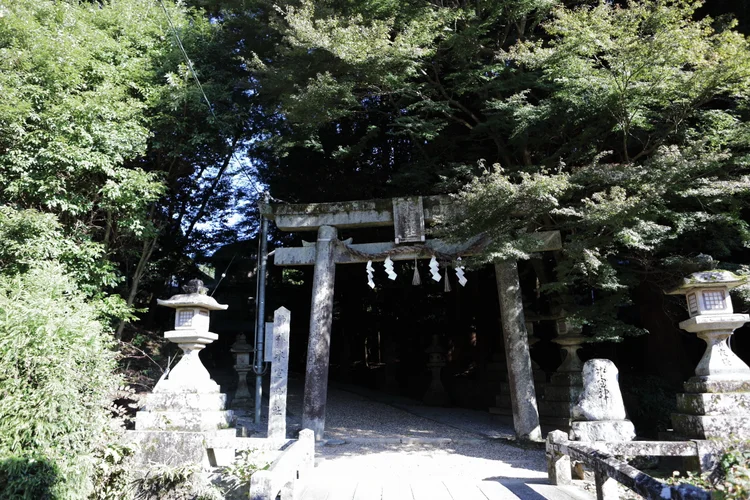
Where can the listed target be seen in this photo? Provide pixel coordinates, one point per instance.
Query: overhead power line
(176, 35)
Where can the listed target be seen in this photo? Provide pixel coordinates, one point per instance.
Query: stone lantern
(186, 410)
(566, 384)
(192, 313)
(717, 398)
(712, 318)
(186, 398)
(436, 394)
(242, 365)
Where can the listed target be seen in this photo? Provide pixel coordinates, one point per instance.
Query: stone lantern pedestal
(242, 365)
(502, 395)
(716, 402)
(566, 384)
(436, 395)
(186, 406)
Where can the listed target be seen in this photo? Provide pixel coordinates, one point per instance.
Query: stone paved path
(482, 471)
(384, 447)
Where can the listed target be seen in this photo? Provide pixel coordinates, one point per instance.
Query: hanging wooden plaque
(408, 219)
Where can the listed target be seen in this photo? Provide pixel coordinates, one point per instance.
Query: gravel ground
(357, 413)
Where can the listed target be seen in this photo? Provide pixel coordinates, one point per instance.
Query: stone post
(279, 375)
(606, 487)
(319, 346)
(558, 464)
(520, 377)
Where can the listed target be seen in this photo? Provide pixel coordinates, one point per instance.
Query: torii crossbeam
(409, 217)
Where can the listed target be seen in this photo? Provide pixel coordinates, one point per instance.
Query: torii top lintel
(354, 214)
(407, 215)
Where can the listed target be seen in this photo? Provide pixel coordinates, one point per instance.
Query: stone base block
(567, 379)
(562, 423)
(712, 385)
(183, 420)
(436, 399)
(732, 427)
(191, 401)
(562, 393)
(175, 448)
(502, 400)
(730, 403)
(602, 430)
(506, 411)
(556, 408)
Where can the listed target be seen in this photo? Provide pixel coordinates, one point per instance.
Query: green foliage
(56, 375)
(247, 463)
(495, 196)
(113, 468)
(29, 478)
(735, 473)
(72, 75)
(730, 480)
(661, 96)
(31, 237)
(184, 482)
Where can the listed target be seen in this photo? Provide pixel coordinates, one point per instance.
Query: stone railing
(608, 471)
(282, 478)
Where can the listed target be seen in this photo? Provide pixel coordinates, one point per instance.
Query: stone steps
(183, 420)
(165, 401)
(730, 403)
(562, 393)
(711, 426)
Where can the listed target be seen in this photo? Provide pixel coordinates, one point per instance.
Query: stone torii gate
(408, 216)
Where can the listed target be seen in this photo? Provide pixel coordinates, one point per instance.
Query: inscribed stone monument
(279, 375)
(599, 414)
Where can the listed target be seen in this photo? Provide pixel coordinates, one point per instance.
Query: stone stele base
(174, 426)
(184, 411)
(713, 409)
(176, 448)
(603, 430)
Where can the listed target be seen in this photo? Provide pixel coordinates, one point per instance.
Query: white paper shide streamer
(370, 272)
(389, 268)
(460, 273)
(435, 269)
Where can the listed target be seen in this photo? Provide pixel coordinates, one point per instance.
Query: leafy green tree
(105, 127)
(660, 99)
(56, 362)
(623, 124)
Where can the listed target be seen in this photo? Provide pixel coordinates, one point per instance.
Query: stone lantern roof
(194, 296)
(708, 279)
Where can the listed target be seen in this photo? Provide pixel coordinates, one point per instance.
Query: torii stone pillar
(319, 346)
(520, 378)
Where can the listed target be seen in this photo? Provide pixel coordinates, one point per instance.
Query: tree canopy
(134, 134)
